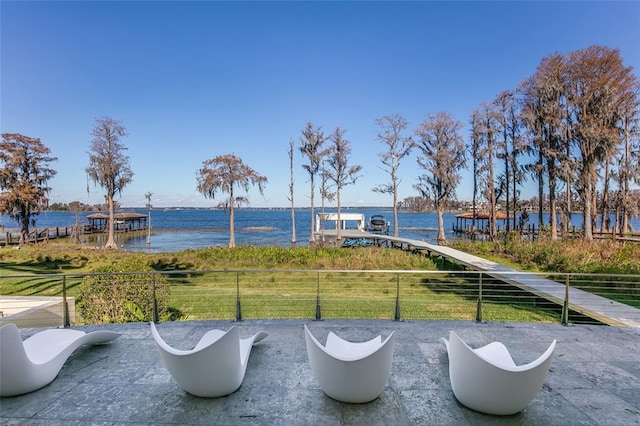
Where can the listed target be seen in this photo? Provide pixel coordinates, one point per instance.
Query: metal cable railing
(66, 299)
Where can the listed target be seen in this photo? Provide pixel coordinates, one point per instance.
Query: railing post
(65, 308)
(396, 317)
(565, 305)
(318, 310)
(479, 307)
(238, 307)
(155, 301)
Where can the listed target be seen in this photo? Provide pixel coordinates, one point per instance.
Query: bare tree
(24, 175)
(290, 197)
(442, 155)
(108, 165)
(340, 172)
(225, 174)
(312, 142)
(398, 147)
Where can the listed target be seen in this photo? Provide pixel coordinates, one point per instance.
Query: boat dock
(12, 237)
(98, 224)
(604, 310)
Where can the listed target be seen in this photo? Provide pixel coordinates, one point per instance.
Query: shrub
(123, 292)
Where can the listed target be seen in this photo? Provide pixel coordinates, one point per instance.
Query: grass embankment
(566, 256)
(204, 282)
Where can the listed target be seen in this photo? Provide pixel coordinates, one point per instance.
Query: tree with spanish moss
(442, 155)
(510, 149)
(478, 167)
(109, 165)
(597, 84)
(312, 147)
(398, 146)
(543, 112)
(486, 133)
(326, 194)
(24, 173)
(340, 172)
(227, 174)
(628, 159)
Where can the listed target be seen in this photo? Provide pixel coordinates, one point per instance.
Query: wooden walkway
(597, 307)
(36, 235)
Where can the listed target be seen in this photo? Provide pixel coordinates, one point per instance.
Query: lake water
(176, 230)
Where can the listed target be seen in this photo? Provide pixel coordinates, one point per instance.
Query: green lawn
(277, 282)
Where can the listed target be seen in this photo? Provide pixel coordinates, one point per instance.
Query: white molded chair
(214, 367)
(351, 372)
(487, 380)
(30, 365)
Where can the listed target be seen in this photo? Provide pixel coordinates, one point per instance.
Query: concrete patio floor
(594, 378)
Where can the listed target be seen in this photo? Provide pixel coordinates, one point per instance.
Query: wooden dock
(604, 310)
(36, 235)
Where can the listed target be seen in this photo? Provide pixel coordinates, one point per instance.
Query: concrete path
(594, 378)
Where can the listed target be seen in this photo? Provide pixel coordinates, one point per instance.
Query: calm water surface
(176, 230)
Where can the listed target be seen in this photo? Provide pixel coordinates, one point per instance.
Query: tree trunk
(604, 212)
(395, 208)
(232, 218)
(492, 199)
(339, 227)
(442, 239)
(323, 221)
(312, 235)
(553, 221)
(473, 202)
(293, 210)
(293, 225)
(540, 191)
(111, 242)
(624, 226)
(588, 232)
(24, 227)
(507, 187)
(566, 221)
(493, 222)
(552, 216)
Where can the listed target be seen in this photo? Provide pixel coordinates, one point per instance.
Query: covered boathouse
(464, 222)
(124, 222)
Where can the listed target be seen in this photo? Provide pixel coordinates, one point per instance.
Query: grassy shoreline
(278, 291)
(565, 256)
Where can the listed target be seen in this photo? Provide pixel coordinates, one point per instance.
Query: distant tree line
(572, 127)
(79, 206)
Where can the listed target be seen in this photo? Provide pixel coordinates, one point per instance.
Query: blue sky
(193, 80)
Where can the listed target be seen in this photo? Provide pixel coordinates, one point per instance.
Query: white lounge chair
(28, 366)
(351, 372)
(214, 367)
(487, 380)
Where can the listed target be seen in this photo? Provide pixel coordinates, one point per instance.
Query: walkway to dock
(597, 307)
